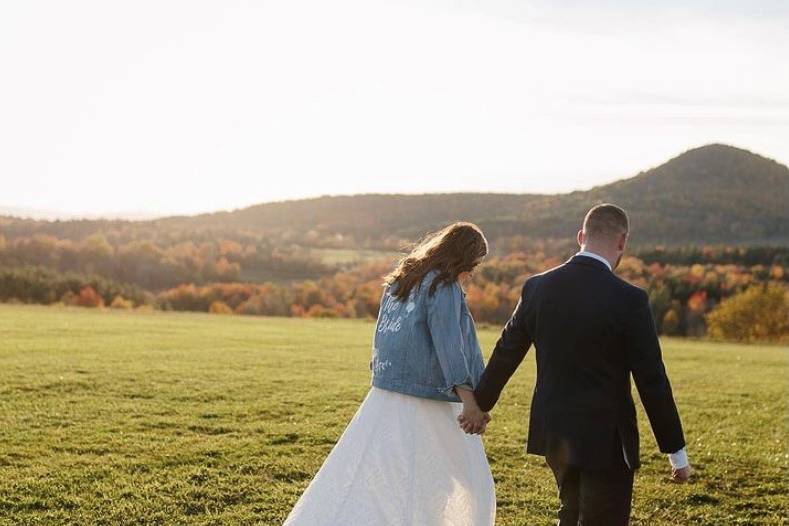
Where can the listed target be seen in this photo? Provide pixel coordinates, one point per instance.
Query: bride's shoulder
(428, 278)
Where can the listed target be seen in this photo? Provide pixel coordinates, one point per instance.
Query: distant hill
(712, 194)
(53, 215)
(709, 195)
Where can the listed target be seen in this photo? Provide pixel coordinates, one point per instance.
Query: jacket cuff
(450, 390)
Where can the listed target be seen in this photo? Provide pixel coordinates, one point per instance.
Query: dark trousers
(593, 497)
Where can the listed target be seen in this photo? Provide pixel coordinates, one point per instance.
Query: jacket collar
(589, 262)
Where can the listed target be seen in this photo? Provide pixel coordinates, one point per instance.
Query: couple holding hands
(412, 455)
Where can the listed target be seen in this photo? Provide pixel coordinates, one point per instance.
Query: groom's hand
(473, 421)
(485, 425)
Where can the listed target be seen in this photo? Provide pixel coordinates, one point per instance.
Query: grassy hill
(173, 418)
(708, 195)
(712, 194)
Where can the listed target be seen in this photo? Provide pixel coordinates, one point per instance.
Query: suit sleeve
(508, 354)
(646, 364)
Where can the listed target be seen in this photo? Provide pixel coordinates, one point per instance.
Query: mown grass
(174, 418)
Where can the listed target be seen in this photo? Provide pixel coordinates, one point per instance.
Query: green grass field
(172, 418)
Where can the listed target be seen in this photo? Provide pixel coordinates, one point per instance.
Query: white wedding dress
(402, 461)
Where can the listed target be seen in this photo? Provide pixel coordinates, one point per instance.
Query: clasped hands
(473, 420)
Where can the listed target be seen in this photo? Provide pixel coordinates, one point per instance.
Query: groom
(591, 331)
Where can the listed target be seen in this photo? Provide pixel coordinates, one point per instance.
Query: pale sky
(160, 107)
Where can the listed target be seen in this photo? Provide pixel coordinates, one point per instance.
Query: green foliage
(162, 261)
(760, 313)
(113, 417)
(670, 324)
(715, 254)
(39, 285)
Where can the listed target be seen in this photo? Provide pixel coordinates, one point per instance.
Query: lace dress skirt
(402, 461)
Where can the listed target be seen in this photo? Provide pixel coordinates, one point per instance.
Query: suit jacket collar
(589, 262)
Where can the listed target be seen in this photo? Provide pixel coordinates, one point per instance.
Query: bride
(403, 460)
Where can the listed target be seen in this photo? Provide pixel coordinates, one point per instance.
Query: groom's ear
(622, 242)
(580, 237)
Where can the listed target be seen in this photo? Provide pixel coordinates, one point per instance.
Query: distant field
(332, 257)
(340, 256)
(173, 418)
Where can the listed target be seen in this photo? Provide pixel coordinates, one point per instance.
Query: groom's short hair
(606, 221)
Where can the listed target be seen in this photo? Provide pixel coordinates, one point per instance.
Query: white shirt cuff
(679, 459)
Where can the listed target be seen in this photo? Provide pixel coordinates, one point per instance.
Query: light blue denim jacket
(426, 345)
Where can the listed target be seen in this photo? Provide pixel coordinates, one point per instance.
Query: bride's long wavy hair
(456, 248)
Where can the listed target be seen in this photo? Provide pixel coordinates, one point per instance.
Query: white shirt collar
(595, 256)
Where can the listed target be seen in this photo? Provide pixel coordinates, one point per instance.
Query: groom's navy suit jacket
(591, 331)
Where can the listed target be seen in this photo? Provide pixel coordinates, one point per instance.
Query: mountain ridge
(710, 194)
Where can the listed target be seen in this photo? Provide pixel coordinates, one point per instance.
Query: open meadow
(111, 417)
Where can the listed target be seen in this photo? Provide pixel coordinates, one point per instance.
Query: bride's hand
(472, 419)
(486, 419)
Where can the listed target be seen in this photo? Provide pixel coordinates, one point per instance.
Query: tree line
(687, 299)
(155, 266)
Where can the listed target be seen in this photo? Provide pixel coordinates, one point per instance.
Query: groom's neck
(607, 253)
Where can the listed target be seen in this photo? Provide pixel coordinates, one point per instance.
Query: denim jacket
(426, 345)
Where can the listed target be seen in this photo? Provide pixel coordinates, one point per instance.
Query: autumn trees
(693, 292)
(760, 313)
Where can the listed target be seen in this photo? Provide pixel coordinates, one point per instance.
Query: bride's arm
(473, 420)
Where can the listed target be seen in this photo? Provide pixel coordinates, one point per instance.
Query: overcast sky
(160, 107)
